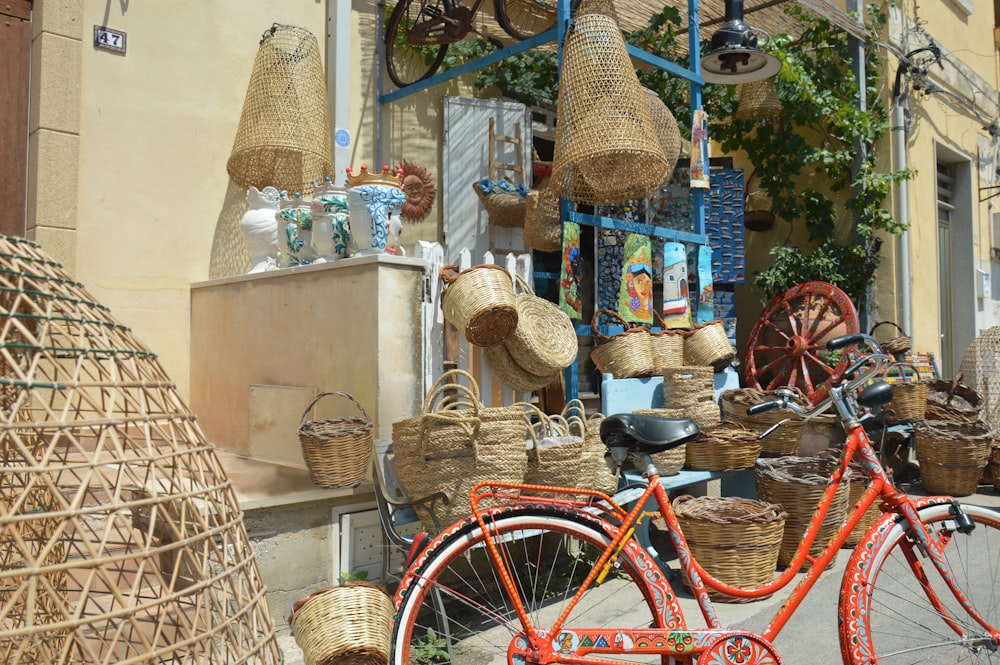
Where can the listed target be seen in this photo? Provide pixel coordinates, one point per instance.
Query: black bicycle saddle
(646, 434)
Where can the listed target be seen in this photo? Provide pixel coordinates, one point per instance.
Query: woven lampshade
(666, 129)
(283, 139)
(606, 7)
(606, 148)
(121, 539)
(758, 100)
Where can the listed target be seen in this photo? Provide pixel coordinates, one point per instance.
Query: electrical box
(982, 284)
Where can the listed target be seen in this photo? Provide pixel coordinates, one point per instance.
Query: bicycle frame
(439, 28)
(666, 640)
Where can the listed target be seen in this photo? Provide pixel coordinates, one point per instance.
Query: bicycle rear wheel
(525, 18)
(454, 609)
(416, 39)
(885, 616)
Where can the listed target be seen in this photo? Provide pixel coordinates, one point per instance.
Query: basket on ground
(480, 302)
(337, 451)
(350, 624)
(952, 455)
(626, 355)
(735, 540)
(953, 401)
(798, 483)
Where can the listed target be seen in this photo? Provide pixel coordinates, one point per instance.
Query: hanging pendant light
(735, 56)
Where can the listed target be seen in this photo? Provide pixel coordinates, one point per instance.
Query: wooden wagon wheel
(787, 346)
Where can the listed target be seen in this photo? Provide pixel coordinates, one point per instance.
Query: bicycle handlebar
(786, 398)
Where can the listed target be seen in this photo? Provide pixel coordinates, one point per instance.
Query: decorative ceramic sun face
(420, 191)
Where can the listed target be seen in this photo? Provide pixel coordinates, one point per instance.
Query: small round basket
(350, 624)
(337, 451)
(708, 344)
(735, 540)
(626, 355)
(504, 203)
(480, 302)
(952, 455)
(797, 483)
(896, 345)
(909, 398)
(728, 447)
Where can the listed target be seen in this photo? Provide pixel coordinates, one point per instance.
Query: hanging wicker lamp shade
(606, 148)
(758, 100)
(121, 539)
(283, 139)
(666, 129)
(606, 7)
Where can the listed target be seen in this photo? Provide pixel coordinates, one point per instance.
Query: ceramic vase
(296, 218)
(331, 230)
(371, 206)
(260, 228)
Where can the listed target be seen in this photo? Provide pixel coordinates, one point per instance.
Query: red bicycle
(419, 31)
(526, 579)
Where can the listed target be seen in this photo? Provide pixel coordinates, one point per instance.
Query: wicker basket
(909, 398)
(544, 341)
(708, 345)
(542, 223)
(728, 447)
(337, 451)
(780, 442)
(667, 345)
(798, 483)
(735, 540)
(952, 401)
(594, 472)
(554, 452)
(758, 100)
(952, 455)
(505, 206)
(349, 624)
(480, 302)
(669, 462)
(995, 466)
(625, 355)
(896, 345)
(512, 374)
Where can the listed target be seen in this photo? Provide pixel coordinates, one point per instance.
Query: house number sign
(106, 38)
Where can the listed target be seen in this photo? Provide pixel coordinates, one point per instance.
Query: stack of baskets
(735, 540)
(780, 442)
(455, 443)
(350, 624)
(797, 483)
(337, 451)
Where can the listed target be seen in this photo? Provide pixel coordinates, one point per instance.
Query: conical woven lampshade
(283, 139)
(758, 100)
(666, 129)
(606, 148)
(606, 7)
(121, 540)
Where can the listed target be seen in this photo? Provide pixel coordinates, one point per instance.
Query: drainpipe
(902, 213)
(338, 83)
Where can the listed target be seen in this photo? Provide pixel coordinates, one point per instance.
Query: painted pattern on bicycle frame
(857, 576)
(740, 650)
(664, 598)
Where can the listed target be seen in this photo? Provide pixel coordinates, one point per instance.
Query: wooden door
(15, 54)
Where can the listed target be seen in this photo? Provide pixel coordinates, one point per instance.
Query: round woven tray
(480, 302)
(735, 540)
(544, 341)
(349, 624)
(512, 374)
(952, 455)
(798, 483)
(337, 451)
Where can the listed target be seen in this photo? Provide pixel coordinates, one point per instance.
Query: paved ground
(809, 637)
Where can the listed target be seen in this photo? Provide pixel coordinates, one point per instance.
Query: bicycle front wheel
(455, 609)
(426, 21)
(886, 616)
(525, 18)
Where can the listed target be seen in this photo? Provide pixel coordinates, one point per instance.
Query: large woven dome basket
(121, 538)
(283, 138)
(544, 340)
(606, 149)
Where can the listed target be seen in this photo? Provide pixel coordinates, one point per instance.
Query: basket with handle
(952, 401)
(952, 455)
(554, 451)
(594, 472)
(668, 346)
(708, 345)
(728, 447)
(626, 355)
(337, 451)
(909, 398)
(735, 540)
(783, 440)
(504, 200)
(669, 462)
(895, 345)
(350, 624)
(480, 302)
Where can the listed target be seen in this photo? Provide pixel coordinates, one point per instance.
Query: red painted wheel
(787, 346)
